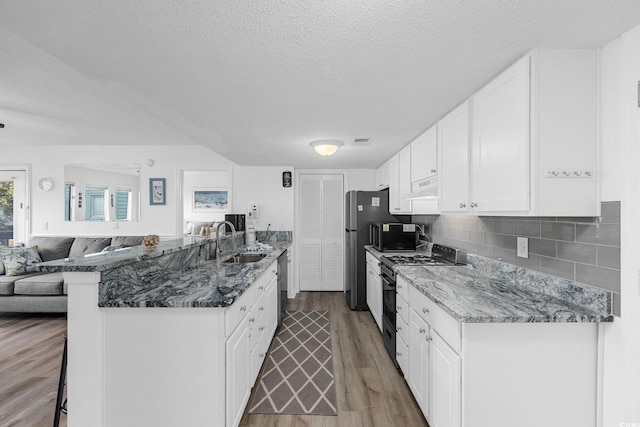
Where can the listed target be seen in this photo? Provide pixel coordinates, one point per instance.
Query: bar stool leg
(63, 375)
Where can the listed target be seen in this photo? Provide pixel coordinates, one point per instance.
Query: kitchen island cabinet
(153, 343)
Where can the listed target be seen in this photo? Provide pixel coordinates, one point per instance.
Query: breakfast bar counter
(168, 327)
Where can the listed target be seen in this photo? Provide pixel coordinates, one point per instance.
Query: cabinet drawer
(402, 328)
(446, 326)
(402, 309)
(373, 262)
(402, 355)
(402, 288)
(238, 310)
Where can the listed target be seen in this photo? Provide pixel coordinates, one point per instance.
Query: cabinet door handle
(428, 338)
(399, 328)
(261, 288)
(243, 308)
(261, 309)
(261, 328)
(463, 205)
(261, 355)
(399, 287)
(422, 330)
(433, 171)
(398, 354)
(253, 319)
(398, 309)
(425, 310)
(474, 205)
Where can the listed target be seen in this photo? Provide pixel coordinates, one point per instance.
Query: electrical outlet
(45, 225)
(523, 247)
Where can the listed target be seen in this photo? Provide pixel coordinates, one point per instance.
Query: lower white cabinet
(500, 374)
(419, 356)
(238, 382)
(374, 290)
(444, 375)
(247, 345)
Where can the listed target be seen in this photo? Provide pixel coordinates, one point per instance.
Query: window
(96, 199)
(123, 205)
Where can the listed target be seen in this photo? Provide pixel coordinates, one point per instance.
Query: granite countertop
(211, 284)
(103, 261)
(472, 297)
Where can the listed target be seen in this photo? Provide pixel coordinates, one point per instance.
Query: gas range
(440, 256)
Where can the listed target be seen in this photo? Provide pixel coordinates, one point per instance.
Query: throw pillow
(19, 261)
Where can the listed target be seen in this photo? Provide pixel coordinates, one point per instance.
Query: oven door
(389, 301)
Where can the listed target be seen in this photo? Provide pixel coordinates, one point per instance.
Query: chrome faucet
(233, 231)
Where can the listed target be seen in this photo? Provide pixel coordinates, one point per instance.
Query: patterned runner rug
(297, 377)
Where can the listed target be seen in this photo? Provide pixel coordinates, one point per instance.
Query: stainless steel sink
(244, 258)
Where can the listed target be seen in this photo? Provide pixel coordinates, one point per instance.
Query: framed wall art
(157, 191)
(210, 199)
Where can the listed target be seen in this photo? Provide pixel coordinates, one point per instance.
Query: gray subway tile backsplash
(558, 230)
(609, 256)
(583, 249)
(546, 247)
(605, 278)
(577, 252)
(598, 234)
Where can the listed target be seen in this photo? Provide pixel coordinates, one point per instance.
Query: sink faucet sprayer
(233, 231)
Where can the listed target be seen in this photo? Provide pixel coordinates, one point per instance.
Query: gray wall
(586, 250)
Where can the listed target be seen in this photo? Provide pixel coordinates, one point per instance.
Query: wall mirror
(102, 192)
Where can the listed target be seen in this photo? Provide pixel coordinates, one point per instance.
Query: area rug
(297, 376)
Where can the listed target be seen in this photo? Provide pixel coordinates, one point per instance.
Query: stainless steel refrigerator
(361, 209)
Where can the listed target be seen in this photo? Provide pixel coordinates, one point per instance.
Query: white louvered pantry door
(321, 233)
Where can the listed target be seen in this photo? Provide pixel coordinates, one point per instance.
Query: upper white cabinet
(399, 183)
(424, 155)
(532, 149)
(500, 142)
(383, 175)
(454, 160)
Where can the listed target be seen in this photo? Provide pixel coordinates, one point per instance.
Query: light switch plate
(523, 247)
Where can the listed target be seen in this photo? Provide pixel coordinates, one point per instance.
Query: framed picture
(210, 199)
(157, 191)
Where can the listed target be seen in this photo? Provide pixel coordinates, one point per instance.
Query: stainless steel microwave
(394, 236)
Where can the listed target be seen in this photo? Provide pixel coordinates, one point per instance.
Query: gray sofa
(46, 292)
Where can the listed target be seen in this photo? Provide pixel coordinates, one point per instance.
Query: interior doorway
(13, 207)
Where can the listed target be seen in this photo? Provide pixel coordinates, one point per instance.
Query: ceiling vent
(361, 142)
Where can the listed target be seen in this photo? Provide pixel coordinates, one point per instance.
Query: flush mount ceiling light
(326, 147)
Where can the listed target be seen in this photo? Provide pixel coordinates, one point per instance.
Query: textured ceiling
(256, 81)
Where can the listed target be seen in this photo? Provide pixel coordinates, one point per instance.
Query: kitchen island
(493, 344)
(163, 336)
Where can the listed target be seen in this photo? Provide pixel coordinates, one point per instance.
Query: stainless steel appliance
(440, 256)
(395, 236)
(283, 261)
(361, 209)
(238, 221)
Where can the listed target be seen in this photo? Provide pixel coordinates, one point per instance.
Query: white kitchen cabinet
(238, 378)
(383, 175)
(419, 361)
(533, 141)
(445, 384)
(500, 142)
(265, 315)
(500, 374)
(374, 289)
(398, 205)
(453, 142)
(424, 155)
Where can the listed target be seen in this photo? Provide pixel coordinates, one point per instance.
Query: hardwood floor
(30, 355)
(371, 392)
